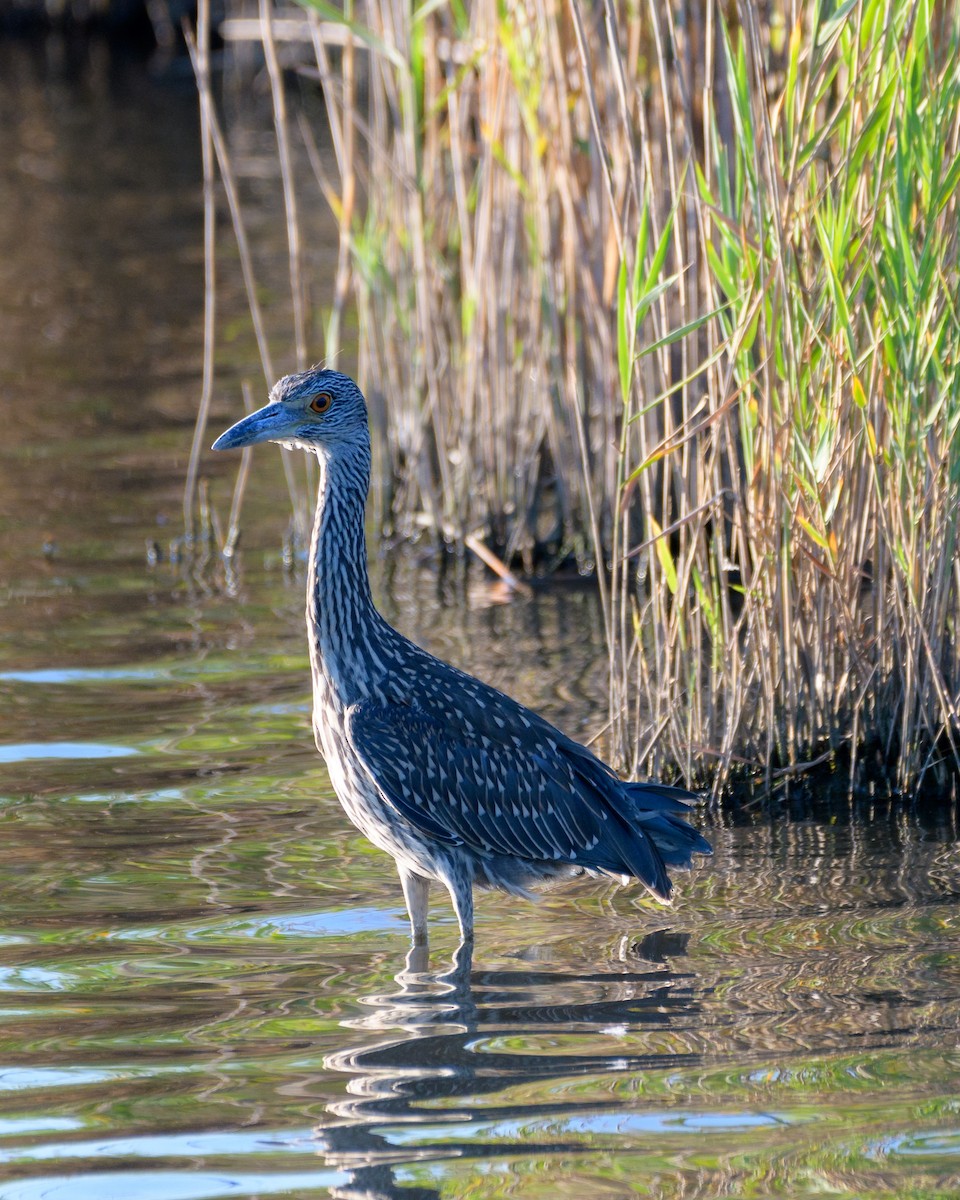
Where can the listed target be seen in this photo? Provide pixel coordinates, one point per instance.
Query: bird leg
(416, 892)
(461, 893)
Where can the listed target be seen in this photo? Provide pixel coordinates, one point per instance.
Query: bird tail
(640, 856)
(659, 810)
(651, 833)
(654, 835)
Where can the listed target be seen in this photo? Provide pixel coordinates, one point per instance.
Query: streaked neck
(341, 617)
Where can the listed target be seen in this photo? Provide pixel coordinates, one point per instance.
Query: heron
(459, 783)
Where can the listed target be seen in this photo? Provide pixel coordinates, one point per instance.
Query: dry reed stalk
(298, 299)
(228, 180)
(239, 487)
(202, 68)
(655, 320)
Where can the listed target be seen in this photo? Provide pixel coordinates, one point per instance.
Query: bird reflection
(452, 1037)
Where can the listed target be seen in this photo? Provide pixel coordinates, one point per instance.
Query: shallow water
(204, 988)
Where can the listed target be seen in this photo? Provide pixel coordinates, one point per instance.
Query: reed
(675, 295)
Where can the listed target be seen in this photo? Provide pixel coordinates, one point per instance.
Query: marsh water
(204, 989)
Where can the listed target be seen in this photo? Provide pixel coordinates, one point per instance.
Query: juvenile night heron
(457, 781)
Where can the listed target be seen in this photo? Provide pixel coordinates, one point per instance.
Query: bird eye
(321, 402)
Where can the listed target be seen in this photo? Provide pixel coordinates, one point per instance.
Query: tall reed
(675, 294)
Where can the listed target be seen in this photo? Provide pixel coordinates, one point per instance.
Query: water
(204, 984)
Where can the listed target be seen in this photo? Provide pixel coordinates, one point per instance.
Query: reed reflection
(459, 1046)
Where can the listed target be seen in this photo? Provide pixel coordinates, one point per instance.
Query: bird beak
(265, 425)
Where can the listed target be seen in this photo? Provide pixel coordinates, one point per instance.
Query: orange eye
(321, 402)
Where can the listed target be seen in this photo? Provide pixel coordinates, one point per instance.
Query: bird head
(317, 410)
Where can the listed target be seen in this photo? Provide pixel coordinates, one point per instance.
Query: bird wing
(498, 793)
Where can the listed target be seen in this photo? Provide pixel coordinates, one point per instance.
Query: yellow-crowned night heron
(457, 781)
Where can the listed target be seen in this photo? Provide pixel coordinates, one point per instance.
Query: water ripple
(27, 751)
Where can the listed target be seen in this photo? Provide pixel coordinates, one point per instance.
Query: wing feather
(493, 798)
(534, 802)
(497, 779)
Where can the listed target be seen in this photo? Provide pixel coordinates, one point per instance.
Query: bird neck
(340, 613)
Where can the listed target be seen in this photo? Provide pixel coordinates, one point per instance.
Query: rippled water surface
(204, 984)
